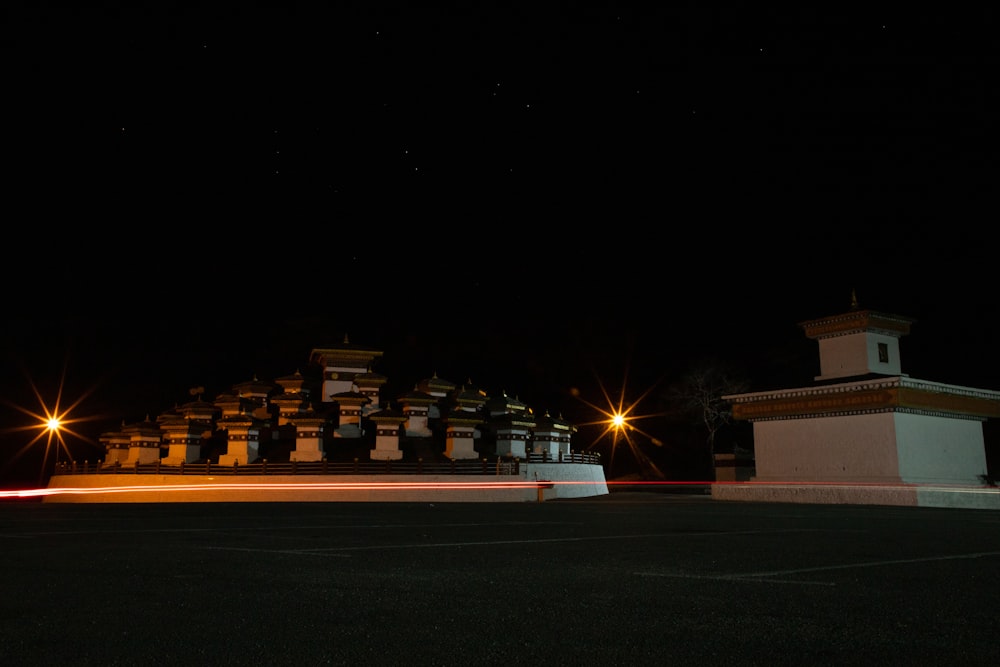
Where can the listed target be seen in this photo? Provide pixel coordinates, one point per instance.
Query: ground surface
(628, 578)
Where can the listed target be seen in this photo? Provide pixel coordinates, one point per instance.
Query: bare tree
(698, 396)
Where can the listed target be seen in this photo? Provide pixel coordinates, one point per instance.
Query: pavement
(627, 578)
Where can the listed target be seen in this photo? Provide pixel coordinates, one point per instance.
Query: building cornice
(890, 394)
(345, 353)
(857, 321)
(464, 418)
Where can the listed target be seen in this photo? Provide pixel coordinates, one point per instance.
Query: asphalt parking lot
(628, 578)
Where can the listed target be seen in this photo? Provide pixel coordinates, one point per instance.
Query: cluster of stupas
(335, 411)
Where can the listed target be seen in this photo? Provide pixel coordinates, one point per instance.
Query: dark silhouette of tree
(698, 396)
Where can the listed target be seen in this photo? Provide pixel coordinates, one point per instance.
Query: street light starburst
(618, 420)
(50, 423)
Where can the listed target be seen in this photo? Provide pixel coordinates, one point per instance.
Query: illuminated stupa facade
(337, 410)
(864, 424)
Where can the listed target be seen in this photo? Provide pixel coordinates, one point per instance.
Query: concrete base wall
(842, 448)
(936, 450)
(883, 448)
(969, 497)
(569, 480)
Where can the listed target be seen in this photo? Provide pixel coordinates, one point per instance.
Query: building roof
(294, 383)
(547, 421)
(417, 397)
(355, 397)
(857, 321)
(883, 394)
(254, 388)
(504, 403)
(435, 384)
(346, 353)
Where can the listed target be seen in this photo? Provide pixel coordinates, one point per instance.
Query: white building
(865, 432)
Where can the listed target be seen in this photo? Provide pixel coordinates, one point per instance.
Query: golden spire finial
(854, 300)
(346, 342)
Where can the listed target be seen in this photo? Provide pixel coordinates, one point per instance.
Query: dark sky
(530, 200)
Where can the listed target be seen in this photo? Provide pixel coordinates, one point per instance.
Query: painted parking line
(731, 577)
(489, 543)
(446, 545)
(768, 576)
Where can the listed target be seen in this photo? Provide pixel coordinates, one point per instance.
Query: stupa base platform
(833, 493)
(543, 482)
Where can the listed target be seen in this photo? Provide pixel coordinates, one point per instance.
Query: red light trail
(447, 486)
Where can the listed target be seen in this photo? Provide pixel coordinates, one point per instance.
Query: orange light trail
(280, 486)
(453, 486)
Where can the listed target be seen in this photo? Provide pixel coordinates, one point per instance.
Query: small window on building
(883, 353)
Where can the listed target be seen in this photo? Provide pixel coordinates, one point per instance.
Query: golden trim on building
(876, 399)
(857, 321)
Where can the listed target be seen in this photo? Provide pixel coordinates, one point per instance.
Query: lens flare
(618, 423)
(51, 423)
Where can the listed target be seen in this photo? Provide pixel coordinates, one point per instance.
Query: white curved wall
(569, 480)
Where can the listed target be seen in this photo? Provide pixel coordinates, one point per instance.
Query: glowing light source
(51, 424)
(618, 420)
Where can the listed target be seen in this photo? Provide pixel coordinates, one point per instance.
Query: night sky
(535, 201)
